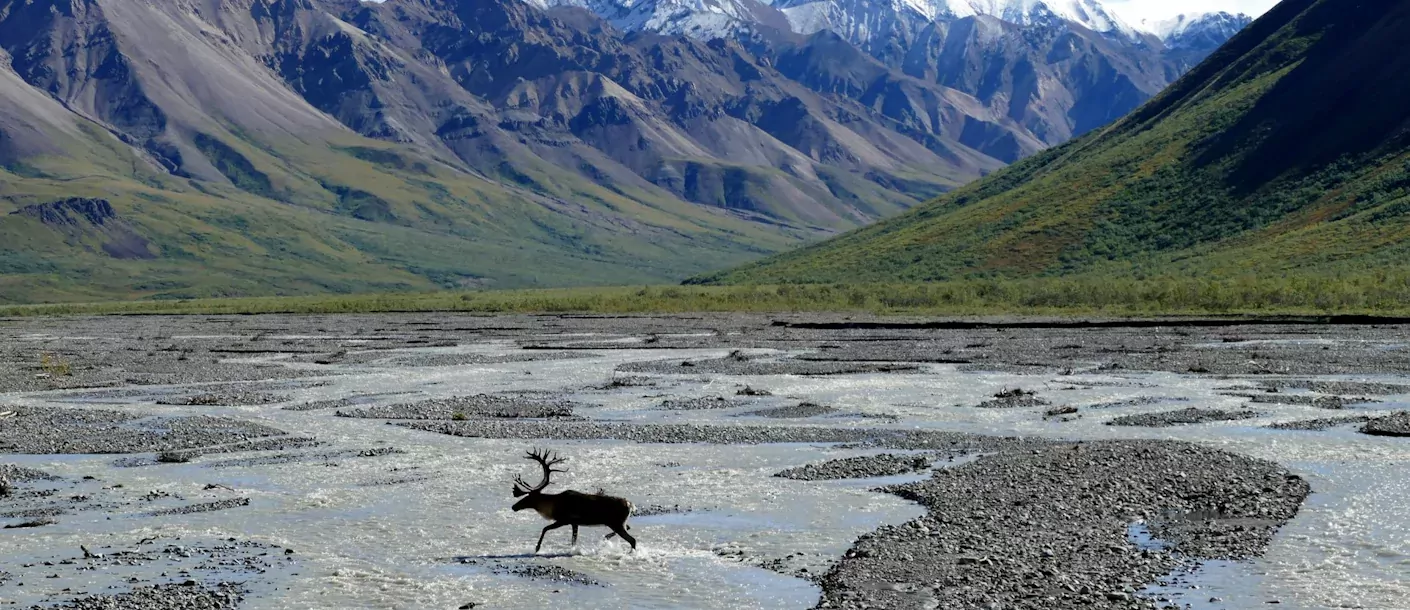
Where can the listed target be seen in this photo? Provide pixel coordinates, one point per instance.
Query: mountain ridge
(1282, 153)
(294, 146)
(283, 144)
(1084, 66)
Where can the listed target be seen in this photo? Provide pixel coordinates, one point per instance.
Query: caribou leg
(575, 535)
(546, 529)
(621, 530)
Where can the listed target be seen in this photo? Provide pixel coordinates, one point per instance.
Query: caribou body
(572, 508)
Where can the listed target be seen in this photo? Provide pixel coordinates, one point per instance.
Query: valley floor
(775, 461)
(1383, 293)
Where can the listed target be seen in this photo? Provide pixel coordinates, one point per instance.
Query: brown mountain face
(708, 122)
(316, 145)
(156, 74)
(333, 145)
(1286, 155)
(487, 85)
(1057, 82)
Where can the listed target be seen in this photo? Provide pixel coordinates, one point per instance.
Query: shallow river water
(434, 542)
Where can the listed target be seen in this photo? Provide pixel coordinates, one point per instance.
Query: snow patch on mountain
(1198, 28)
(695, 18)
(1087, 13)
(860, 19)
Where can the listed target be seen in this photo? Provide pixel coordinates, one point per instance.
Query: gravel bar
(802, 410)
(480, 405)
(1014, 399)
(20, 474)
(58, 430)
(1181, 417)
(699, 404)
(1338, 387)
(1047, 528)
(861, 467)
(222, 399)
(191, 595)
(1393, 425)
(1326, 423)
(736, 365)
(954, 442)
(204, 507)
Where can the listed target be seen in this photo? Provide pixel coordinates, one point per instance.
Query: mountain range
(182, 148)
(1285, 154)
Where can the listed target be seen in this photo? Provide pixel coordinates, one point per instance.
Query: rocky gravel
(653, 510)
(203, 507)
(802, 410)
(1319, 424)
(1337, 387)
(59, 430)
(1032, 524)
(744, 365)
(1334, 403)
(469, 407)
(1393, 425)
(320, 405)
(948, 443)
(180, 573)
(427, 360)
(284, 443)
(183, 596)
(222, 399)
(20, 474)
(328, 457)
(860, 467)
(1138, 401)
(1014, 399)
(699, 404)
(534, 571)
(938, 352)
(1047, 528)
(1182, 417)
(32, 523)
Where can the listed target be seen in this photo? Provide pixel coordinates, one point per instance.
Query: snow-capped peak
(1220, 25)
(714, 18)
(698, 18)
(1179, 24)
(1087, 13)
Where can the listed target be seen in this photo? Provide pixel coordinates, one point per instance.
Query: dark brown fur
(572, 507)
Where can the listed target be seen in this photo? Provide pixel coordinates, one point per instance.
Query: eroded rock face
(500, 87)
(1092, 67)
(82, 220)
(709, 117)
(71, 211)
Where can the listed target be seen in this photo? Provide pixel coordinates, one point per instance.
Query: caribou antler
(545, 460)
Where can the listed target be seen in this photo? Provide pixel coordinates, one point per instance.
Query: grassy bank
(1372, 293)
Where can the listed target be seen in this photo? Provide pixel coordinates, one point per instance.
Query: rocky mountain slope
(266, 146)
(1058, 68)
(1288, 151)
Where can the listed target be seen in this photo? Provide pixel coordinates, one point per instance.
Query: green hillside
(359, 216)
(1286, 152)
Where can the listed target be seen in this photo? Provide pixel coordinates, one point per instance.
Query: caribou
(571, 507)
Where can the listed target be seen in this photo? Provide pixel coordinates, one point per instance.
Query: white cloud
(1136, 11)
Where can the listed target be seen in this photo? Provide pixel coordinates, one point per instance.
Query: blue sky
(1134, 11)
